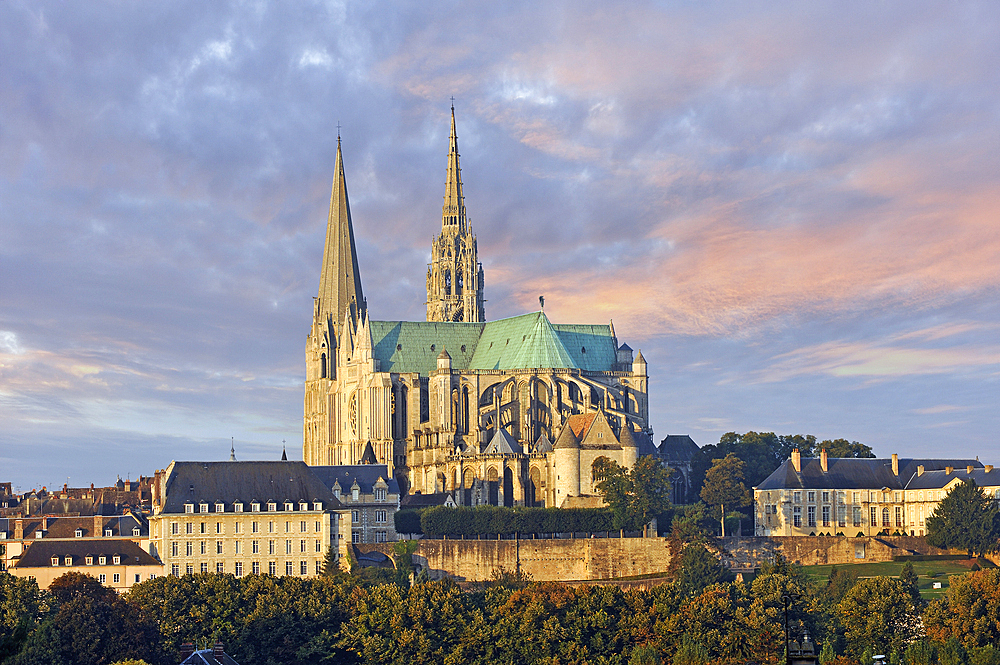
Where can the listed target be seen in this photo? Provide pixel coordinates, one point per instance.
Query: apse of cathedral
(506, 412)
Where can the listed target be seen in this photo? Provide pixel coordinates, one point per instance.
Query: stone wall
(544, 560)
(747, 553)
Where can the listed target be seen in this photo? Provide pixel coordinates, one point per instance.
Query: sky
(792, 209)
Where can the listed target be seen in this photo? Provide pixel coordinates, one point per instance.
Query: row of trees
(487, 521)
(701, 617)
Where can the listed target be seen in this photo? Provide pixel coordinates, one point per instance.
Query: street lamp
(788, 598)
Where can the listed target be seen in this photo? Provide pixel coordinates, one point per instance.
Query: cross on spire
(453, 102)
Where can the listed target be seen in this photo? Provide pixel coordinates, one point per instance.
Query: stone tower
(338, 309)
(454, 275)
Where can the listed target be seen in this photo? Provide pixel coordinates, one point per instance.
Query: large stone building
(867, 497)
(455, 401)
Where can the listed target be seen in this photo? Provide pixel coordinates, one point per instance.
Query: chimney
(989, 468)
(948, 470)
(45, 523)
(186, 650)
(968, 469)
(797, 460)
(823, 461)
(895, 464)
(18, 529)
(920, 470)
(128, 485)
(98, 526)
(218, 651)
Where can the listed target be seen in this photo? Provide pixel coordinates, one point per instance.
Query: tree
(909, 577)
(845, 448)
(635, 496)
(20, 601)
(970, 612)
(966, 518)
(699, 569)
(879, 614)
(724, 486)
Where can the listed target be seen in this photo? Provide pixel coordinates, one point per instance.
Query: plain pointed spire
(340, 281)
(453, 210)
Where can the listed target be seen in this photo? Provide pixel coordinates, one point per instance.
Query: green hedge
(930, 557)
(494, 520)
(407, 520)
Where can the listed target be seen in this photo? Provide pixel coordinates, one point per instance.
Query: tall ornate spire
(454, 276)
(340, 280)
(453, 210)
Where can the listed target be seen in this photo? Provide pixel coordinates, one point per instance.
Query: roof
(232, 482)
(938, 479)
(852, 473)
(543, 445)
(528, 341)
(503, 444)
(368, 457)
(40, 552)
(580, 423)
(425, 500)
(365, 475)
(65, 527)
(566, 438)
(678, 447)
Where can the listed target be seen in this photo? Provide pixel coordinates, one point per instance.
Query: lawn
(928, 572)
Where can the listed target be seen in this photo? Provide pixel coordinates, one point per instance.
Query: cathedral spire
(453, 211)
(340, 280)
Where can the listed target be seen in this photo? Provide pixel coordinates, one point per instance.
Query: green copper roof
(522, 342)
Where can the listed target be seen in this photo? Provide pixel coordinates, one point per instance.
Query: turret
(630, 449)
(567, 456)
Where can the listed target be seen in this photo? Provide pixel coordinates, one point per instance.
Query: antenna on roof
(541, 302)
(284, 457)
(232, 449)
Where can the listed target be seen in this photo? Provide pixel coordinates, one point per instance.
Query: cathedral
(507, 412)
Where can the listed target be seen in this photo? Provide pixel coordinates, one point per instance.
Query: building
(17, 532)
(926, 488)
(456, 402)
(115, 563)
(370, 493)
(245, 517)
(677, 451)
(809, 496)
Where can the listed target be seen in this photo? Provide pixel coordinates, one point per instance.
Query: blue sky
(793, 209)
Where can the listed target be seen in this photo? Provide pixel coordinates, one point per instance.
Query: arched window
(447, 282)
(465, 409)
(322, 366)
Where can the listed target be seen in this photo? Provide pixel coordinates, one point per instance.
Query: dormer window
(135, 531)
(289, 506)
(220, 507)
(68, 561)
(188, 507)
(38, 534)
(78, 533)
(203, 507)
(90, 561)
(238, 507)
(255, 507)
(303, 506)
(272, 506)
(55, 561)
(379, 494)
(355, 493)
(107, 533)
(317, 505)
(117, 560)
(103, 560)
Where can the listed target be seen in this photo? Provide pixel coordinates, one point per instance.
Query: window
(204, 566)
(175, 570)
(78, 533)
(304, 567)
(288, 547)
(303, 506)
(288, 527)
(302, 527)
(189, 548)
(380, 536)
(302, 546)
(255, 567)
(270, 547)
(218, 527)
(355, 493)
(236, 527)
(203, 547)
(796, 497)
(896, 497)
(173, 549)
(239, 569)
(885, 517)
(317, 505)
(253, 527)
(203, 508)
(255, 508)
(103, 560)
(380, 493)
(272, 506)
(174, 530)
(137, 578)
(255, 547)
(220, 507)
(811, 497)
(55, 561)
(380, 516)
(319, 525)
(203, 528)
(318, 547)
(354, 516)
(857, 515)
(826, 497)
(218, 547)
(874, 521)
(355, 536)
(797, 516)
(118, 560)
(90, 561)
(152, 576)
(899, 516)
(812, 515)
(826, 515)
(236, 545)
(319, 568)
(103, 579)
(107, 533)
(188, 507)
(189, 569)
(272, 568)
(270, 527)
(237, 507)
(220, 567)
(289, 506)
(841, 515)
(135, 531)
(288, 568)
(857, 497)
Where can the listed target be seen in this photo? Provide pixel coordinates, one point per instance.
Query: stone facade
(372, 496)
(455, 403)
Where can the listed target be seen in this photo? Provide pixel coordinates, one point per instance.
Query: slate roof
(852, 473)
(521, 342)
(424, 500)
(65, 527)
(938, 479)
(679, 447)
(40, 552)
(542, 445)
(503, 443)
(567, 438)
(366, 475)
(231, 482)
